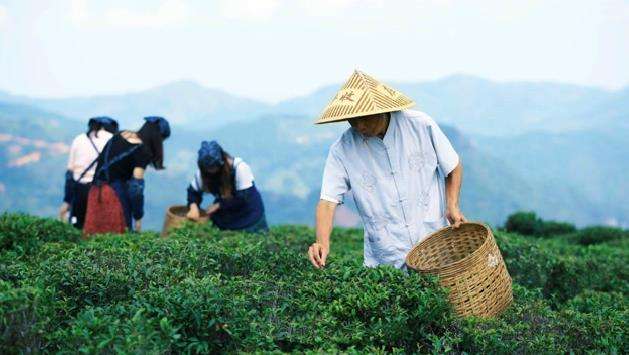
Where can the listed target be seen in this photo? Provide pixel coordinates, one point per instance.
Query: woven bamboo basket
(176, 216)
(468, 263)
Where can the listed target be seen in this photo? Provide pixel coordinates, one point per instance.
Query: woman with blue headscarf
(237, 202)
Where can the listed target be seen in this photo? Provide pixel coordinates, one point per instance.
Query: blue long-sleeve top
(243, 209)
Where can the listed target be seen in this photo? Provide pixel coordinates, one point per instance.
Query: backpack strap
(87, 169)
(107, 163)
(93, 161)
(92, 142)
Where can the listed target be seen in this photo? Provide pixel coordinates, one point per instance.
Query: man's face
(370, 126)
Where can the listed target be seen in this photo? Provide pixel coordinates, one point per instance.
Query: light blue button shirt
(398, 183)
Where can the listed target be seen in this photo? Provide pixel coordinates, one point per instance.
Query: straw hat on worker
(404, 174)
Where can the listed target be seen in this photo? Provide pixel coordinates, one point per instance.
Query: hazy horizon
(271, 50)
(338, 83)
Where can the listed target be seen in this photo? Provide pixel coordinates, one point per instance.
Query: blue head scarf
(164, 127)
(210, 154)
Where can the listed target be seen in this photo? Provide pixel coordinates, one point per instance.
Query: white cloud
(248, 9)
(170, 12)
(335, 7)
(3, 15)
(78, 11)
(257, 10)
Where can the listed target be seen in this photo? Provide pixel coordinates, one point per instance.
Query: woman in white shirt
(81, 166)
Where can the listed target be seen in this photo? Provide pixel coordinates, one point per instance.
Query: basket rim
(460, 261)
(170, 212)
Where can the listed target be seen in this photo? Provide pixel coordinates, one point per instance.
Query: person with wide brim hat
(402, 170)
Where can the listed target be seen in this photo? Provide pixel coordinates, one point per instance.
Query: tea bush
(527, 223)
(531, 326)
(201, 290)
(601, 234)
(24, 234)
(562, 272)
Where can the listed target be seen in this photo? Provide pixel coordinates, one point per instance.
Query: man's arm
(453, 190)
(319, 250)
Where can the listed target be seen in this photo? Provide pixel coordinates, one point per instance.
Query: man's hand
(63, 212)
(138, 225)
(319, 250)
(212, 209)
(318, 253)
(455, 217)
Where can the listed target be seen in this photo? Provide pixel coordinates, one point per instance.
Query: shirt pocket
(383, 243)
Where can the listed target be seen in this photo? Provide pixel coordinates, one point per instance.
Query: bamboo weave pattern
(468, 263)
(363, 95)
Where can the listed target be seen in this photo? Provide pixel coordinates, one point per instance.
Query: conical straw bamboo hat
(363, 95)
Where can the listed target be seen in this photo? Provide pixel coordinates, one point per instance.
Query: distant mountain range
(558, 149)
(185, 103)
(479, 106)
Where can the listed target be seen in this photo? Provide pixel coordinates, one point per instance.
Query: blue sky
(275, 49)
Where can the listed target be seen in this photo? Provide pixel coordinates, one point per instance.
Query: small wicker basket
(176, 216)
(468, 263)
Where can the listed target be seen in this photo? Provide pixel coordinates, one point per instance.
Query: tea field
(200, 290)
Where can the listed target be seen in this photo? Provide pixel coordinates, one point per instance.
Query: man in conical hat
(404, 174)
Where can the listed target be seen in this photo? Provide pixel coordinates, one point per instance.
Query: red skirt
(104, 211)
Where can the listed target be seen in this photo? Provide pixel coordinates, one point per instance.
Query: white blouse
(83, 153)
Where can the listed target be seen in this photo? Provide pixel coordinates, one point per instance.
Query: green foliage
(527, 223)
(24, 234)
(601, 234)
(560, 270)
(552, 228)
(531, 326)
(20, 324)
(201, 290)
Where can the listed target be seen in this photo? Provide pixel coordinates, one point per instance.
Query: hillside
(200, 290)
(554, 148)
(185, 103)
(584, 167)
(479, 106)
(33, 153)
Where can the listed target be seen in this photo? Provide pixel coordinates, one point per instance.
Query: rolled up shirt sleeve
(136, 197)
(447, 157)
(335, 181)
(68, 190)
(195, 193)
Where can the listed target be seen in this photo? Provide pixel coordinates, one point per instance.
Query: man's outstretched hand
(318, 253)
(455, 217)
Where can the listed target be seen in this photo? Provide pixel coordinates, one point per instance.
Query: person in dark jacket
(237, 202)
